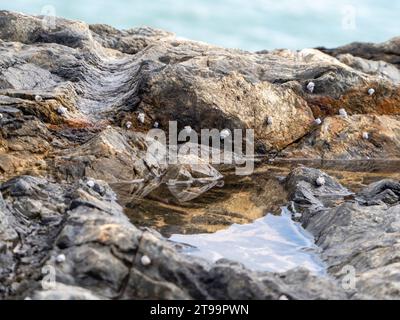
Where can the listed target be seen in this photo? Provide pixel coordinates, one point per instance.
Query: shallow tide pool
(272, 243)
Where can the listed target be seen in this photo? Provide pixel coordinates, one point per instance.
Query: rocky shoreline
(81, 197)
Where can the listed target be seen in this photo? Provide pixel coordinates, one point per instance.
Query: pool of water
(272, 243)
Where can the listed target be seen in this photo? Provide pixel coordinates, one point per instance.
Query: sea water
(272, 243)
(245, 24)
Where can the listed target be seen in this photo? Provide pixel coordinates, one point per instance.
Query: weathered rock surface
(104, 254)
(89, 76)
(360, 232)
(342, 138)
(388, 51)
(74, 155)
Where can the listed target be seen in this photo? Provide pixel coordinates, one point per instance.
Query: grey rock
(102, 79)
(379, 68)
(99, 73)
(103, 253)
(388, 51)
(361, 232)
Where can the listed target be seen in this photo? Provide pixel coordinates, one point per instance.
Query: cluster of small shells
(342, 111)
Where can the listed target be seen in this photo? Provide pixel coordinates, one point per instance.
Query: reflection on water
(354, 165)
(272, 243)
(241, 200)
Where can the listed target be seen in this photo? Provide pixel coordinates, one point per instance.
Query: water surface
(272, 243)
(245, 24)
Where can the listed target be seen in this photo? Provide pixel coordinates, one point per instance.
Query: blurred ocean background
(246, 24)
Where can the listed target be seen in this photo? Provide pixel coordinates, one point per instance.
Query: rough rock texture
(388, 51)
(103, 253)
(343, 138)
(360, 231)
(74, 157)
(90, 76)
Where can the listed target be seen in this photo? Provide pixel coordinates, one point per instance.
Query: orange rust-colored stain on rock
(385, 101)
(75, 124)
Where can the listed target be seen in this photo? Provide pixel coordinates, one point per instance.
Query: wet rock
(191, 177)
(359, 233)
(387, 191)
(65, 292)
(104, 256)
(108, 156)
(94, 80)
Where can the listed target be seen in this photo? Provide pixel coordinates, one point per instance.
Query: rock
(387, 191)
(305, 193)
(107, 157)
(91, 72)
(65, 179)
(343, 138)
(191, 177)
(388, 51)
(128, 41)
(379, 68)
(105, 257)
(360, 233)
